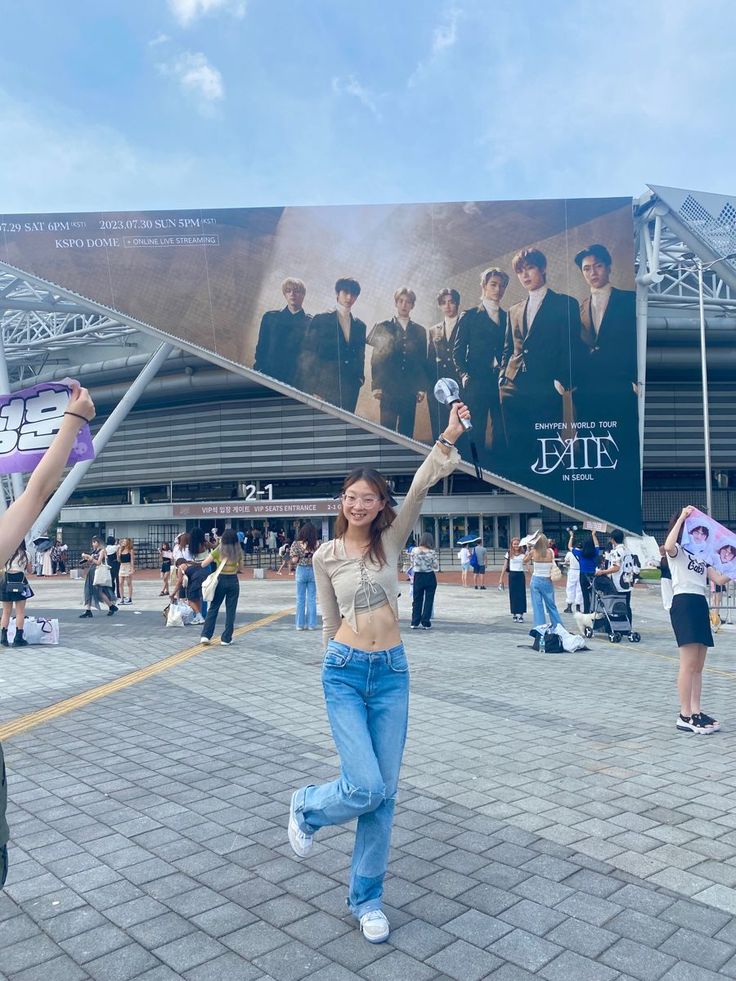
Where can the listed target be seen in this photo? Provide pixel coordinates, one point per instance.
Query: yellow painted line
(669, 657)
(25, 722)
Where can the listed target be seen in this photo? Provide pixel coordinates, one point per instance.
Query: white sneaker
(198, 618)
(225, 643)
(301, 843)
(205, 640)
(374, 926)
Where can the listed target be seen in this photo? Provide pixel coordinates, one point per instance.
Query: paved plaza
(551, 822)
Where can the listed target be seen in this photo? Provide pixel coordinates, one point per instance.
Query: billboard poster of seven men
(528, 305)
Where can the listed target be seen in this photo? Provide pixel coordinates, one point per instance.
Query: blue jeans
(543, 599)
(367, 696)
(306, 597)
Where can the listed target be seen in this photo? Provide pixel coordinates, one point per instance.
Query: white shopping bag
(36, 630)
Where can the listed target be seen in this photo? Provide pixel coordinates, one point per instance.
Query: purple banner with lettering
(29, 420)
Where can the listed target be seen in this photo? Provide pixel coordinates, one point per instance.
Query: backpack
(473, 559)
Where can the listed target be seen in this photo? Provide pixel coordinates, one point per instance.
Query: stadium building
(184, 440)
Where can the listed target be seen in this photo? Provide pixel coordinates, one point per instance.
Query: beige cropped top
(345, 585)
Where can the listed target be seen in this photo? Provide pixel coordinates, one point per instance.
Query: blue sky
(112, 105)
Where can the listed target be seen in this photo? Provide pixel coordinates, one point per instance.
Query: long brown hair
(308, 535)
(541, 547)
(383, 520)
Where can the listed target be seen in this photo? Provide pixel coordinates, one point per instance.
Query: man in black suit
(281, 335)
(399, 365)
(606, 378)
(542, 342)
(440, 360)
(477, 354)
(333, 356)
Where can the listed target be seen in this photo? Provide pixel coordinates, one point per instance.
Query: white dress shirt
(533, 304)
(598, 303)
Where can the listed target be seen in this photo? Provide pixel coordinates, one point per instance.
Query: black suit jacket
(331, 366)
(399, 359)
(440, 361)
(478, 347)
(612, 354)
(545, 352)
(280, 341)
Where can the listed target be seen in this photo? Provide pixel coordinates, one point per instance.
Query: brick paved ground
(551, 825)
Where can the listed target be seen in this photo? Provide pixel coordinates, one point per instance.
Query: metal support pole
(706, 412)
(109, 428)
(16, 479)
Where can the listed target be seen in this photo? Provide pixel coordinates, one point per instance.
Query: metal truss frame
(667, 236)
(37, 322)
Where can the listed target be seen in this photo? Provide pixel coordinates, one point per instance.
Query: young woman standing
(167, 557)
(15, 590)
(228, 588)
(365, 673)
(542, 589)
(690, 620)
(513, 568)
(92, 593)
(126, 558)
(425, 565)
(301, 554)
(587, 557)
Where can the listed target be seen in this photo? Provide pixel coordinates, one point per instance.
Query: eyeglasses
(352, 499)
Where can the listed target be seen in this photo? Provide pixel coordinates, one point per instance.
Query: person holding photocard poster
(691, 576)
(75, 415)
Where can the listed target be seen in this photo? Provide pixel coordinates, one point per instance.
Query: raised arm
(441, 461)
(18, 519)
(670, 542)
(570, 541)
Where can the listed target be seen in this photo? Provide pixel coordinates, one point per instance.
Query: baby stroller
(611, 613)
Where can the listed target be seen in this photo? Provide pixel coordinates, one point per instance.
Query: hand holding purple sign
(31, 418)
(704, 537)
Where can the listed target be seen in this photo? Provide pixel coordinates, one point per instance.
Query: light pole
(691, 257)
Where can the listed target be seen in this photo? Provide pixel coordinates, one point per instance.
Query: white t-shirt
(623, 579)
(464, 555)
(516, 562)
(572, 563)
(689, 573)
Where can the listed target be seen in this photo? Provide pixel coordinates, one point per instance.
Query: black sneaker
(692, 723)
(705, 720)
(87, 613)
(112, 611)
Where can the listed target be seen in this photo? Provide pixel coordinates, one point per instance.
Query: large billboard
(527, 305)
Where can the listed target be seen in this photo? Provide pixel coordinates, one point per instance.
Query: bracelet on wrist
(77, 416)
(445, 442)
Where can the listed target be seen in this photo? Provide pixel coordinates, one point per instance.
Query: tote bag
(210, 584)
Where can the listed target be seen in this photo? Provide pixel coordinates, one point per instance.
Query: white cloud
(187, 11)
(77, 166)
(352, 87)
(197, 77)
(445, 34)
(159, 39)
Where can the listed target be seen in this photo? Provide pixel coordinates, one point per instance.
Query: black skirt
(690, 619)
(9, 587)
(517, 592)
